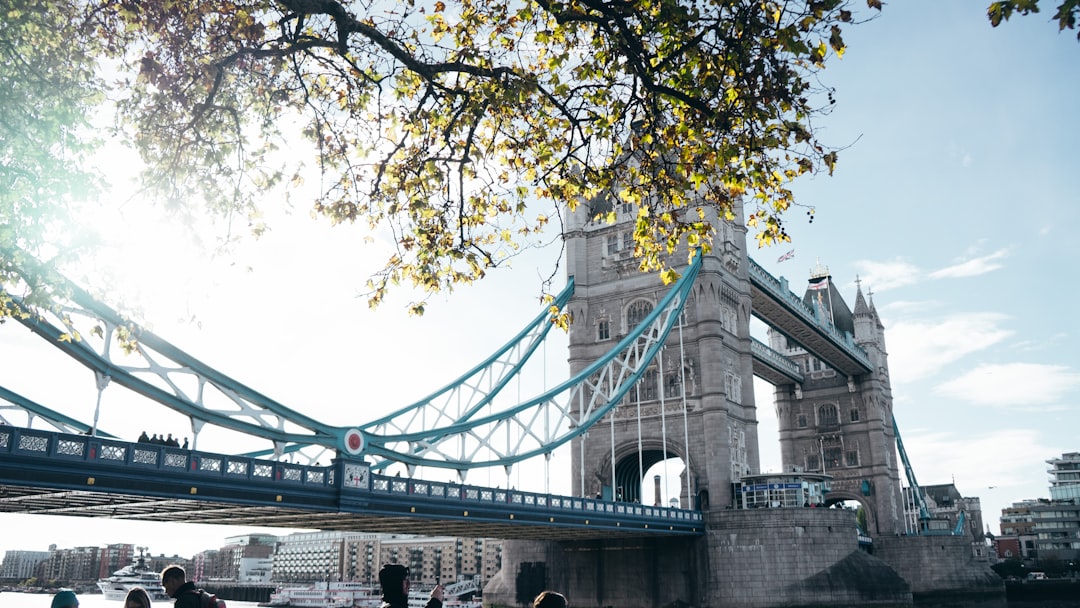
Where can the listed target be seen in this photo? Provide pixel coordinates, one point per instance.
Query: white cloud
(1012, 384)
(973, 267)
(880, 276)
(939, 457)
(920, 348)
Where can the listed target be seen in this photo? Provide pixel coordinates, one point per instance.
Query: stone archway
(836, 497)
(629, 471)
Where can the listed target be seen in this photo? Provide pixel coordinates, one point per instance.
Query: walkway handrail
(196, 467)
(777, 288)
(777, 360)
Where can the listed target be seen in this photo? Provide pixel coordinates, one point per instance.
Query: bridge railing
(419, 488)
(775, 359)
(779, 289)
(148, 456)
(179, 464)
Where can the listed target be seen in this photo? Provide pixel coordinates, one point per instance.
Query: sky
(953, 203)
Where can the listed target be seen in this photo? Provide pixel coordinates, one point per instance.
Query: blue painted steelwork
(318, 496)
(36, 411)
(916, 491)
(159, 362)
(459, 400)
(460, 439)
(760, 278)
(571, 407)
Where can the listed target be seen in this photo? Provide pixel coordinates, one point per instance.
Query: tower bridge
(656, 372)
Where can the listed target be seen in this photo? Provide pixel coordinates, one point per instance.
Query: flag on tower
(822, 283)
(786, 256)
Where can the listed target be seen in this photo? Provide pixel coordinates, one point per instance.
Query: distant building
(945, 501)
(357, 557)
(1042, 528)
(77, 565)
(21, 565)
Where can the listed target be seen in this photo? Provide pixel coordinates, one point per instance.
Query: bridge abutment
(757, 558)
(942, 569)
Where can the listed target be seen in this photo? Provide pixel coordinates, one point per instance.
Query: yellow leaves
(836, 42)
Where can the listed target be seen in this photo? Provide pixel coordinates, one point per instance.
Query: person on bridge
(550, 599)
(137, 598)
(394, 579)
(175, 582)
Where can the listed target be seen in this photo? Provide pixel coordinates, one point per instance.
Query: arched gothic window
(827, 415)
(636, 313)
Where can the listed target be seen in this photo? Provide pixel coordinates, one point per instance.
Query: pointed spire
(860, 303)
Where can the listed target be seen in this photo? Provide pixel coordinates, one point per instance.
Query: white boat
(358, 595)
(326, 595)
(136, 574)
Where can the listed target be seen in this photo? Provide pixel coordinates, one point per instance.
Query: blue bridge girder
(451, 429)
(775, 304)
(43, 472)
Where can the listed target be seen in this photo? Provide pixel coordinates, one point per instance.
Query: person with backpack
(186, 594)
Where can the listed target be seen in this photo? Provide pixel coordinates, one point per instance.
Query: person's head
(550, 599)
(394, 579)
(65, 599)
(137, 598)
(172, 577)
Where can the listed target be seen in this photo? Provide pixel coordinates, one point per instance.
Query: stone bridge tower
(709, 352)
(839, 425)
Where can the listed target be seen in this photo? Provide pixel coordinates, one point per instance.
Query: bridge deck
(50, 473)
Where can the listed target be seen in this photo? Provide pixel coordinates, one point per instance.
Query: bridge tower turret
(709, 354)
(842, 425)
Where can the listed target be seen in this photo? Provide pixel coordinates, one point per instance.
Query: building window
(852, 458)
(648, 385)
(802, 421)
(628, 241)
(637, 312)
(855, 415)
(612, 244)
(827, 416)
(603, 330)
(672, 386)
(832, 458)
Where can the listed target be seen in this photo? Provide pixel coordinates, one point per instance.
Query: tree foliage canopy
(444, 121)
(1065, 15)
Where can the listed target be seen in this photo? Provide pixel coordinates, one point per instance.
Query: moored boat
(136, 574)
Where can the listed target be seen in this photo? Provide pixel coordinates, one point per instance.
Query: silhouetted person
(185, 443)
(550, 599)
(65, 599)
(394, 579)
(137, 598)
(144, 438)
(175, 582)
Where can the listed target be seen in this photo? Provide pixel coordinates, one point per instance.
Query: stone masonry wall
(939, 566)
(764, 558)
